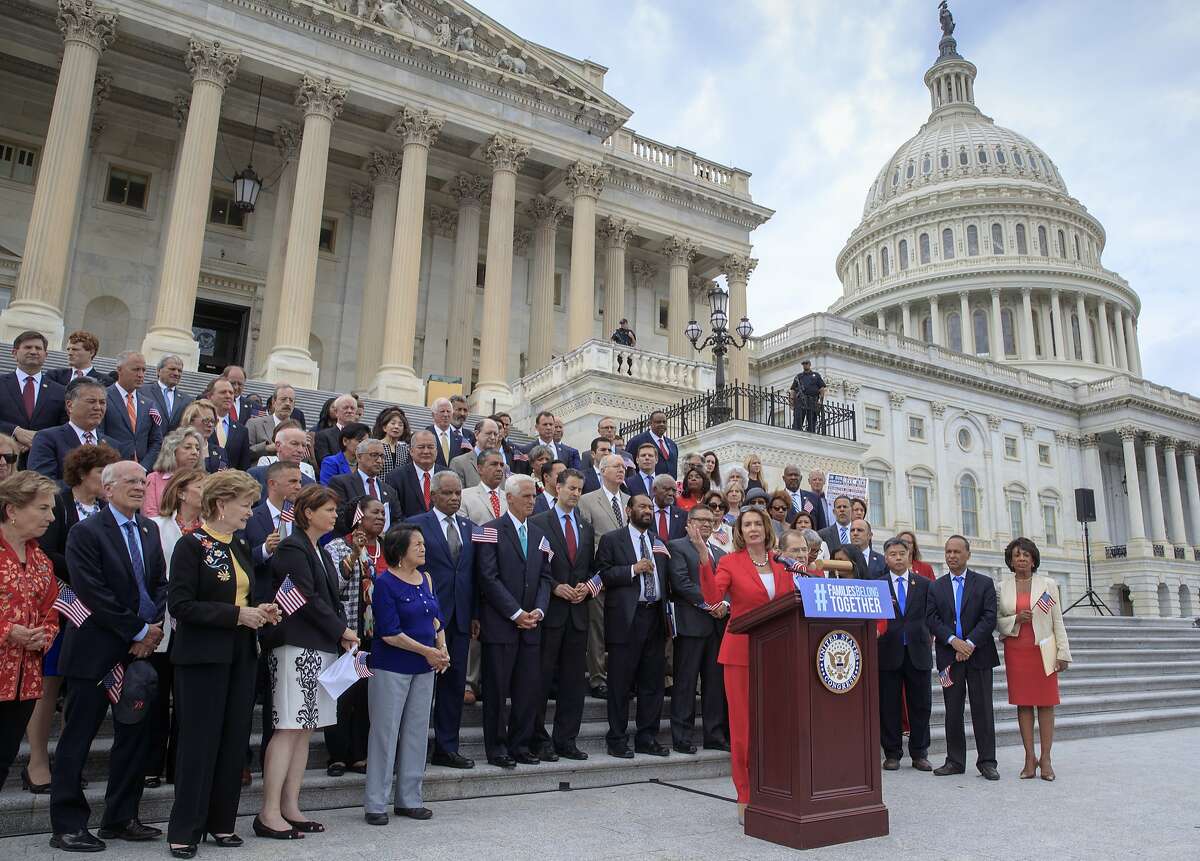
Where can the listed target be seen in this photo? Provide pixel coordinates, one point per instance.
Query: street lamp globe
(693, 332)
(719, 300)
(744, 329)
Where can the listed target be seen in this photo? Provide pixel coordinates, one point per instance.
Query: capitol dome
(970, 241)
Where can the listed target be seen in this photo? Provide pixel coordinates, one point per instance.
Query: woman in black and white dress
(301, 647)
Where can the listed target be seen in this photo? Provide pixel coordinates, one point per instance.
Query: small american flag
(520, 456)
(69, 605)
(113, 683)
(484, 535)
(288, 597)
(594, 585)
(466, 445)
(287, 514)
(944, 678)
(808, 506)
(358, 516)
(660, 549)
(544, 546)
(360, 665)
(155, 416)
(793, 566)
(1045, 602)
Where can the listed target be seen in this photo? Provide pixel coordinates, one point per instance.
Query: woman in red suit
(745, 579)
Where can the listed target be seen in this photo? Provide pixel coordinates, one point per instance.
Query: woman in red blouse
(28, 589)
(924, 569)
(694, 488)
(750, 576)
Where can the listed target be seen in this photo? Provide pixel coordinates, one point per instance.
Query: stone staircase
(1130, 675)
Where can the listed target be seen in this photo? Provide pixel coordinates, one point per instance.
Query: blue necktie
(958, 586)
(648, 479)
(900, 599)
(524, 538)
(146, 608)
(844, 534)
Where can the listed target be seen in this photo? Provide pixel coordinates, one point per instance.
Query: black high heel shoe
(261, 830)
(306, 825)
(29, 786)
(224, 841)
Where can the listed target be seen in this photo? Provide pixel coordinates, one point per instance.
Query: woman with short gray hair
(182, 448)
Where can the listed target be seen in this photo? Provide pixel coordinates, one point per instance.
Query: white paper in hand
(340, 675)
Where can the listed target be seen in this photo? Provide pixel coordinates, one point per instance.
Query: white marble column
(935, 322)
(966, 328)
(37, 301)
(997, 330)
(468, 190)
(1158, 523)
(505, 154)
(881, 320)
(1028, 341)
(680, 252)
(1178, 532)
(644, 274)
(737, 269)
(546, 213)
(1060, 331)
(212, 69)
(999, 503)
(396, 378)
(941, 506)
(1119, 330)
(586, 181)
(1103, 346)
(1131, 344)
(1133, 485)
(898, 424)
(1192, 481)
(1085, 331)
(289, 359)
(287, 141)
(906, 321)
(384, 168)
(1093, 477)
(614, 233)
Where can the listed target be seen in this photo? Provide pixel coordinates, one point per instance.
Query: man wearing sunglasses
(29, 402)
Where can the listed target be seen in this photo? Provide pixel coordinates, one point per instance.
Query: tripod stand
(1093, 600)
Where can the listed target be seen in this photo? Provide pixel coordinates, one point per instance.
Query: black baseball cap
(138, 691)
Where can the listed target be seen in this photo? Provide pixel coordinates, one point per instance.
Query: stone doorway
(223, 332)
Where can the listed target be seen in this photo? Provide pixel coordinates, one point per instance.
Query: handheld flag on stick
(69, 605)
(113, 682)
(1045, 602)
(484, 535)
(360, 665)
(944, 678)
(288, 597)
(544, 546)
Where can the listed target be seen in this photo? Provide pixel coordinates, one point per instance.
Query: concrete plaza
(1120, 797)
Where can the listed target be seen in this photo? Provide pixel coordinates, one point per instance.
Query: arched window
(857, 274)
(927, 165)
(1062, 245)
(963, 158)
(982, 154)
(972, 240)
(968, 505)
(902, 255)
(927, 330)
(944, 160)
(923, 247)
(1076, 337)
(1017, 158)
(908, 171)
(954, 331)
(870, 268)
(896, 177)
(1042, 242)
(947, 244)
(979, 325)
(1037, 333)
(997, 238)
(999, 156)
(1022, 243)
(1076, 247)
(885, 263)
(1008, 332)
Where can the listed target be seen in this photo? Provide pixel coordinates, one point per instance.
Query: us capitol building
(279, 183)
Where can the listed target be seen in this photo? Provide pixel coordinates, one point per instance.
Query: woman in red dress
(746, 578)
(694, 488)
(1030, 624)
(923, 569)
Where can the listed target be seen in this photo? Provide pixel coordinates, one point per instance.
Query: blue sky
(813, 97)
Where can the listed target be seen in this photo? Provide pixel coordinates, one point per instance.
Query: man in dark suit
(228, 433)
(458, 419)
(905, 659)
(548, 475)
(365, 481)
(118, 570)
(413, 482)
(82, 347)
(860, 537)
(600, 449)
(568, 455)
(291, 446)
(642, 479)
(838, 533)
(242, 408)
(791, 486)
(450, 564)
(28, 401)
(328, 441)
(668, 451)
(962, 617)
(512, 457)
(132, 423)
(565, 628)
(448, 438)
(86, 400)
(514, 585)
(165, 393)
(670, 521)
(699, 630)
(636, 583)
(822, 507)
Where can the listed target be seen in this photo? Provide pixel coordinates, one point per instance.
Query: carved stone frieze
(287, 140)
(362, 199)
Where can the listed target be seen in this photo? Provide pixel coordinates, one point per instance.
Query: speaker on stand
(1085, 513)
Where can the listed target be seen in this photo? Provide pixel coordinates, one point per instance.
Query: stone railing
(628, 364)
(1125, 387)
(679, 162)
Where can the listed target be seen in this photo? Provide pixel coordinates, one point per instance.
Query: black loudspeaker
(1085, 505)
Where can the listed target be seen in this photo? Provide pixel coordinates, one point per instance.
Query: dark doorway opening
(222, 332)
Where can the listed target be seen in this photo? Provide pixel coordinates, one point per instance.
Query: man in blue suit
(568, 455)
(670, 521)
(860, 537)
(668, 451)
(549, 474)
(600, 449)
(514, 585)
(446, 436)
(450, 563)
(132, 422)
(86, 403)
(165, 393)
(29, 400)
(642, 479)
(291, 446)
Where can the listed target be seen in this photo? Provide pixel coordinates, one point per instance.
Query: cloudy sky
(813, 96)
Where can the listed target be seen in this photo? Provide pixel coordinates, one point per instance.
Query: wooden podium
(814, 754)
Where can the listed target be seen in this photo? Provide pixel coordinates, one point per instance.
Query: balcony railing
(679, 162)
(1116, 551)
(633, 365)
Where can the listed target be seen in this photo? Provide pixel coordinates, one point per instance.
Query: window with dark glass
(885, 263)
(982, 155)
(328, 237)
(926, 164)
(999, 156)
(979, 323)
(923, 247)
(1022, 243)
(870, 268)
(954, 332)
(127, 188)
(1062, 245)
(1017, 158)
(17, 162)
(944, 160)
(997, 238)
(972, 240)
(947, 244)
(902, 254)
(222, 211)
(963, 158)
(1042, 242)
(1008, 332)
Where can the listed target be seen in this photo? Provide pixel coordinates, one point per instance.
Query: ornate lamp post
(720, 340)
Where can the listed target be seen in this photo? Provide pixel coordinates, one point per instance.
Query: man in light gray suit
(604, 509)
(261, 428)
(164, 391)
(465, 466)
(486, 501)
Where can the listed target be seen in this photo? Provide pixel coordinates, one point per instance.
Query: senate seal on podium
(839, 661)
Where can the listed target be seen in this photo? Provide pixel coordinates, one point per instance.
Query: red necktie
(495, 504)
(662, 449)
(78, 373)
(569, 533)
(425, 488)
(27, 396)
(374, 494)
(233, 410)
(662, 524)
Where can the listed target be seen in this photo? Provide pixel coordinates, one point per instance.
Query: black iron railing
(756, 404)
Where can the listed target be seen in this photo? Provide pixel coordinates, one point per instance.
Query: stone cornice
(632, 177)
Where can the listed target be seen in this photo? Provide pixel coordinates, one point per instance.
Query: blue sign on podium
(845, 599)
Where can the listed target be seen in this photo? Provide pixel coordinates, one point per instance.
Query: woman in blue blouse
(345, 461)
(409, 646)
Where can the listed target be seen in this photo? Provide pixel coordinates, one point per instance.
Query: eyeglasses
(718, 506)
(9, 457)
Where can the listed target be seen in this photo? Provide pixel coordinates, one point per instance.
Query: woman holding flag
(1029, 621)
(302, 645)
(215, 656)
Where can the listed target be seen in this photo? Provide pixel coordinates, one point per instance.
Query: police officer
(624, 336)
(808, 391)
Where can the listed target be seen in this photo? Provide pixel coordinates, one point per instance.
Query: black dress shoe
(224, 841)
(572, 753)
(503, 761)
(920, 763)
(376, 818)
(989, 772)
(891, 764)
(653, 749)
(451, 760)
(152, 782)
(336, 769)
(526, 758)
(620, 752)
(414, 812)
(133, 830)
(186, 851)
(683, 747)
(80, 841)
(948, 769)
(547, 754)
(717, 745)
(599, 692)
(29, 786)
